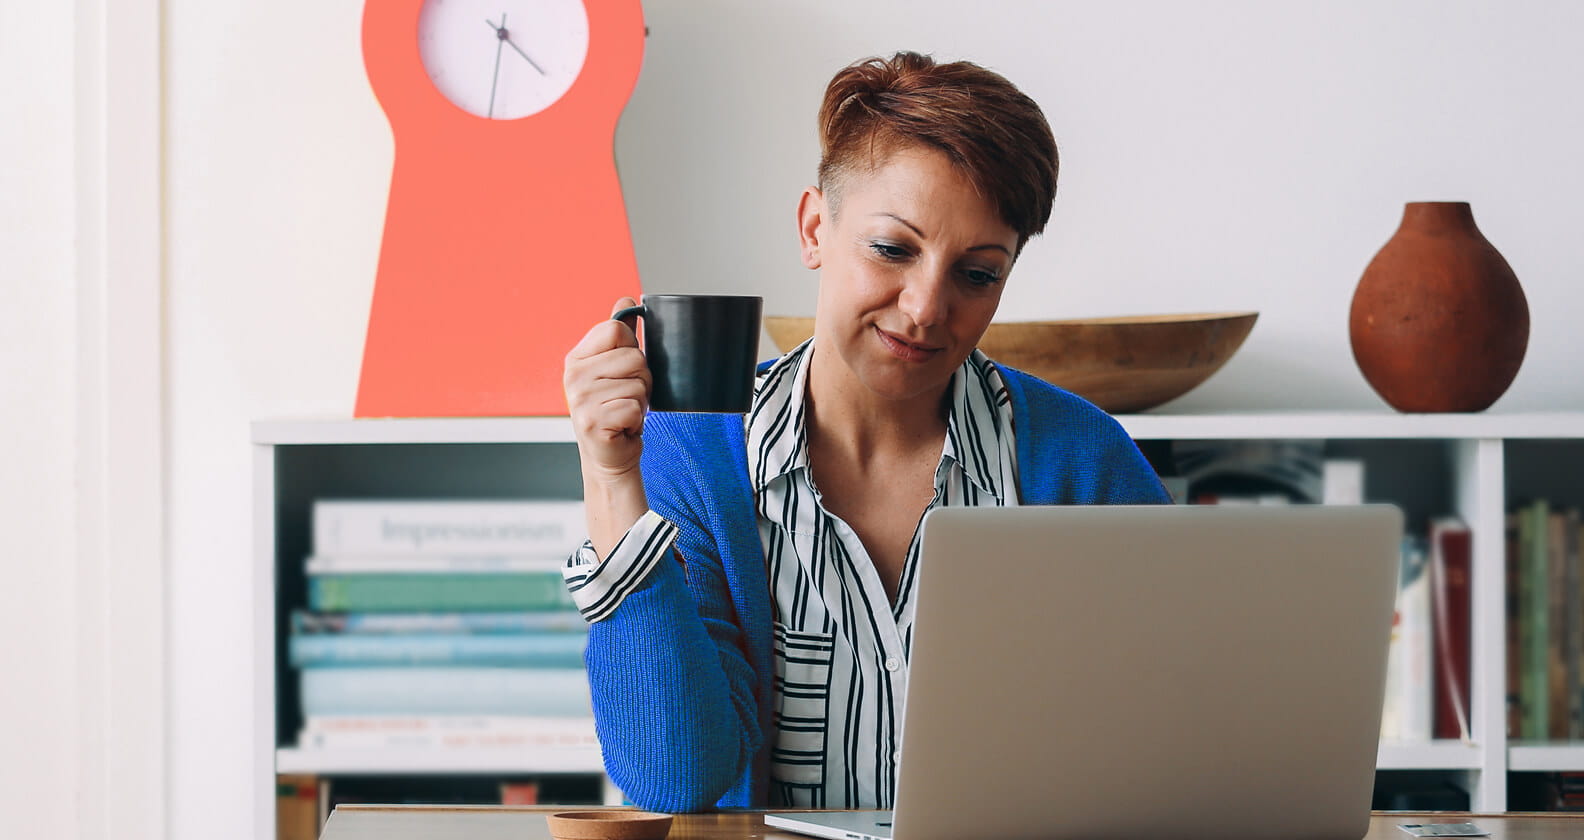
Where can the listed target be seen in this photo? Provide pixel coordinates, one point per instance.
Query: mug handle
(621, 315)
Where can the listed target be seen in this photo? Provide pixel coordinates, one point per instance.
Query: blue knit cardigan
(681, 672)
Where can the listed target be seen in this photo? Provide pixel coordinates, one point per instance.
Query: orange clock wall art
(505, 231)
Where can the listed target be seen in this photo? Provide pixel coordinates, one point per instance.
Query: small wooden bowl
(1120, 364)
(608, 825)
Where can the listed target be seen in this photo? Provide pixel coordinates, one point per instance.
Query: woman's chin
(906, 381)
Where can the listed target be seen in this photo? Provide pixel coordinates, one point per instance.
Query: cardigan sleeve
(1072, 453)
(598, 586)
(674, 693)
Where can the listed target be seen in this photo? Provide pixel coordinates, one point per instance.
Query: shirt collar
(977, 423)
(777, 436)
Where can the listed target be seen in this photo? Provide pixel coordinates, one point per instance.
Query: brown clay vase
(1439, 322)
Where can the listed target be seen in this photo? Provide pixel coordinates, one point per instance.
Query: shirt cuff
(599, 587)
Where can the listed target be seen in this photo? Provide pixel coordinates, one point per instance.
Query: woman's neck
(849, 420)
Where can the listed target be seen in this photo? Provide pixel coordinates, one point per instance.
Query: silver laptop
(1128, 672)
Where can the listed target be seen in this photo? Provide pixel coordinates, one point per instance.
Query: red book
(519, 793)
(1451, 550)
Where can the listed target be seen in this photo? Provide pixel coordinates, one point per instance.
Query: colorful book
(437, 592)
(304, 622)
(550, 692)
(448, 732)
(447, 527)
(1451, 549)
(536, 650)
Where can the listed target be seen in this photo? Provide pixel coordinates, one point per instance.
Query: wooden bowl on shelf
(1121, 364)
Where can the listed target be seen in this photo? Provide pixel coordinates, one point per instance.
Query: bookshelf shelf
(1428, 755)
(1477, 466)
(1353, 425)
(1152, 426)
(417, 762)
(417, 430)
(1528, 757)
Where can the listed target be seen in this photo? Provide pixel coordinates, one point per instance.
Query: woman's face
(912, 263)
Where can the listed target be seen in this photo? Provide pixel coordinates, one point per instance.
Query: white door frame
(121, 570)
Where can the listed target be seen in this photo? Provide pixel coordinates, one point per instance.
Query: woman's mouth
(903, 349)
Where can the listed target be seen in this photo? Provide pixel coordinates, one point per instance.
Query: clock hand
(514, 46)
(501, 33)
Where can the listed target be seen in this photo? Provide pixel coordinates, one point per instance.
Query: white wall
(1216, 156)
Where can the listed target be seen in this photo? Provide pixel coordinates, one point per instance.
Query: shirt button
(893, 664)
(897, 757)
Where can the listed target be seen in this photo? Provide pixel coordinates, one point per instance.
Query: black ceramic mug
(702, 350)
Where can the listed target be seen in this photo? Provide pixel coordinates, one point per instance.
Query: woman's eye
(888, 251)
(979, 277)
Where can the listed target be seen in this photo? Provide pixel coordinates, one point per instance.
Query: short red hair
(994, 133)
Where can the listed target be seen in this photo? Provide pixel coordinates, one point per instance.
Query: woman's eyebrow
(988, 246)
(909, 225)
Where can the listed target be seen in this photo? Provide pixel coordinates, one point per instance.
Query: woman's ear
(811, 215)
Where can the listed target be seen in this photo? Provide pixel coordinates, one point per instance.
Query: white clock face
(502, 59)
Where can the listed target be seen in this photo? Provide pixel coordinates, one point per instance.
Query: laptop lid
(1109, 672)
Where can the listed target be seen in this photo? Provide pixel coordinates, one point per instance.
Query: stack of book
(1545, 623)
(442, 625)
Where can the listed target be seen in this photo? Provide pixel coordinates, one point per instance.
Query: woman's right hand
(607, 385)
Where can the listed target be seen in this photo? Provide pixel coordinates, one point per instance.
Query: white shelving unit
(1449, 463)
(295, 461)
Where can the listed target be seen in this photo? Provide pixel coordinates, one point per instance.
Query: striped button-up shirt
(841, 648)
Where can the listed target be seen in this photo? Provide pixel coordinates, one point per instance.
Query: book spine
(1418, 643)
(445, 723)
(541, 650)
(405, 527)
(324, 564)
(1576, 622)
(551, 692)
(1572, 636)
(297, 807)
(1342, 481)
(519, 793)
(1558, 687)
(440, 734)
(1451, 548)
(1513, 562)
(304, 622)
(443, 741)
(1407, 712)
(482, 591)
(1534, 604)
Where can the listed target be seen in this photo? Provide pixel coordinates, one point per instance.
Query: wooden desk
(422, 822)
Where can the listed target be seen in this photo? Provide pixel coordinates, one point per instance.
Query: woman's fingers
(607, 383)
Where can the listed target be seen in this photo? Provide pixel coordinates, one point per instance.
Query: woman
(749, 581)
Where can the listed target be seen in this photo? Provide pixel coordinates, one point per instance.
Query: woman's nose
(923, 299)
